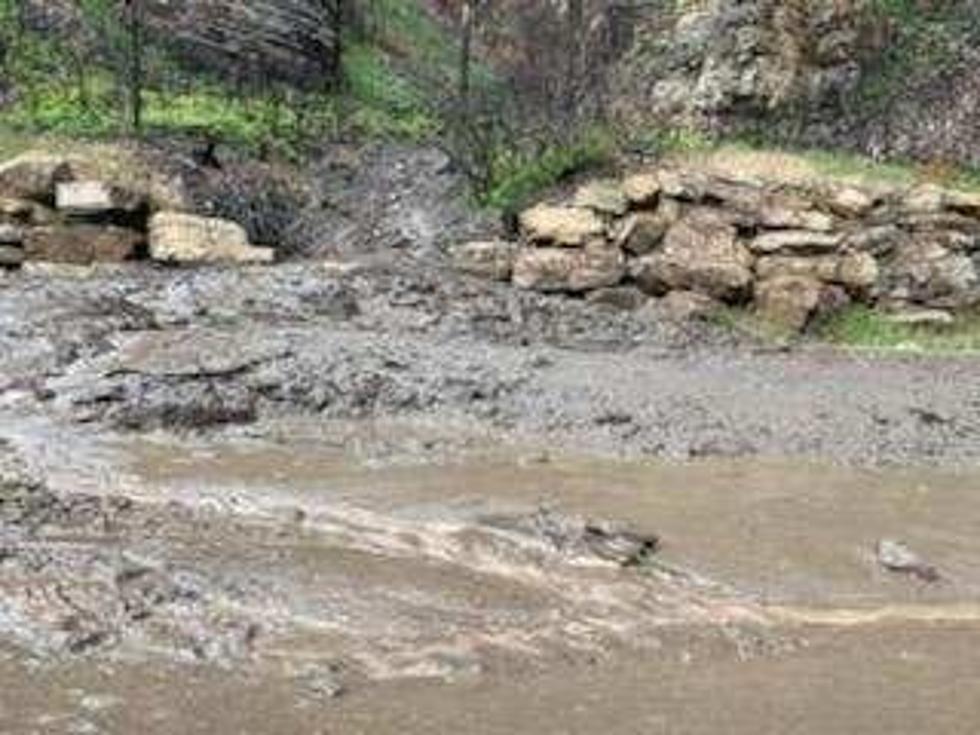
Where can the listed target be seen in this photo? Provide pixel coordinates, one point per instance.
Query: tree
(134, 62)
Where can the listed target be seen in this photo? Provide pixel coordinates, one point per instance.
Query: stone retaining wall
(788, 251)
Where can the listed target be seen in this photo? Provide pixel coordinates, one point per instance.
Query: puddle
(499, 585)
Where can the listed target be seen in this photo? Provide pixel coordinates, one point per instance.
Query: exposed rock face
(290, 40)
(725, 56)
(791, 250)
(185, 238)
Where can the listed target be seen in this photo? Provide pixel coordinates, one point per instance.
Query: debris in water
(626, 548)
(896, 556)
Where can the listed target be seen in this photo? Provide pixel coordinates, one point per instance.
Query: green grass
(381, 96)
(864, 327)
(517, 177)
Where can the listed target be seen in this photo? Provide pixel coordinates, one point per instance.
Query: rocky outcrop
(787, 250)
(723, 58)
(289, 40)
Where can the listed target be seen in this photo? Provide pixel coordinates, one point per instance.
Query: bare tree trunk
(467, 22)
(575, 44)
(134, 11)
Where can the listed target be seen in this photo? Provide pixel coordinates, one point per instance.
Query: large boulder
(184, 238)
(700, 253)
(598, 265)
(82, 244)
(558, 225)
(34, 175)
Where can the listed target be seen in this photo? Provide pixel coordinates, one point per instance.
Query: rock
(491, 259)
(11, 256)
(700, 253)
(564, 226)
(777, 216)
(896, 556)
(795, 241)
(925, 272)
(598, 265)
(964, 203)
(82, 244)
(788, 301)
(858, 272)
(877, 240)
(683, 184)
(184, 238)
(604, 197)
(25, 212)
(295, 40)
(33, 175)
(625, 298)
(921, 317)
(688, 305)
(94, 199)
(848, 201)
(925, 199)
(11, 234)
(642, 190)
(642, 232)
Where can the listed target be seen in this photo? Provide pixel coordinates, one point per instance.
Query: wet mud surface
(316, 498)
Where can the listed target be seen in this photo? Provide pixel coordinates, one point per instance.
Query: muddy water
(311, 579)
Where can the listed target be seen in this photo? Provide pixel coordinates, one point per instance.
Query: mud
(373, 496)
(341, 587)
(141, 349)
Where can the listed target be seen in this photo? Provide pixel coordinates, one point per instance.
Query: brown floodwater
(395, 595)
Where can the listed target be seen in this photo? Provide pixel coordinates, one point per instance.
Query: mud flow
(242, 583)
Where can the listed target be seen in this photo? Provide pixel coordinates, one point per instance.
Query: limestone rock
(560, 269)
(849, 201)
(604, 197)
(795, 241)
(788, 301)
(491, 259)
(700, 253)
(642, 190)
(185, 238)
(94, 199)
(34, 175)
(563, 226)
(642, 232)
(925, 272)
(858, 272)
(82, 244)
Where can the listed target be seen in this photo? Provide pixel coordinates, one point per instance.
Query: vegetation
(863, 327)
